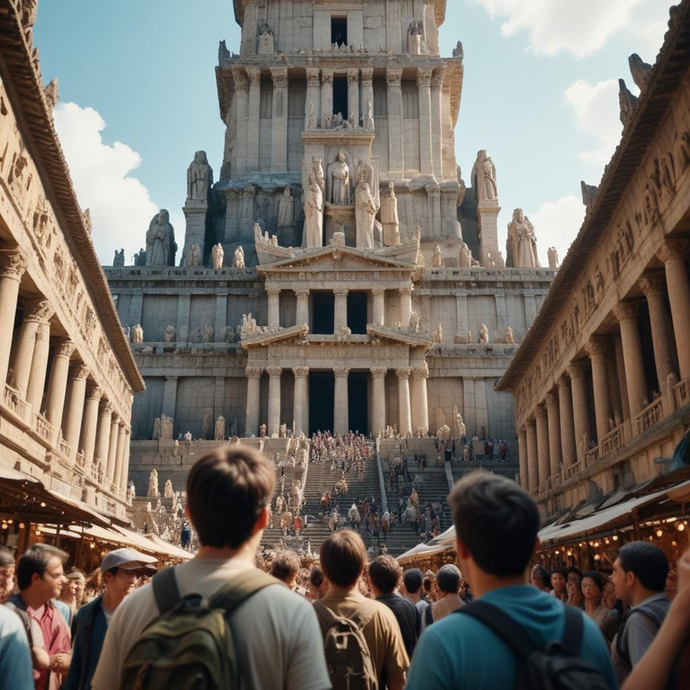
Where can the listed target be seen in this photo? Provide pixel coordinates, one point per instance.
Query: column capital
(652, 283)
(626, 311)
(421, 372)
(280, 77)
(577, 369)
(378, 291)
(327, 76)
(394, 77)
(253, 372)
(405, 291)
(368, 76)
(12, 264)
(240, 78)
(353, 76)
(273, 292)
(274, 372)
(540, 412)
(551, 399)
(597, 346)
(171, 378)
(301, 372)
(94, 393)
(378, 372)
(672, 249)
(106, 408)
(341, 372)
(313, 76)
(81, 371)
(41, 311)
(254, 74)
(403, 373)
(341, 292)
(564, 381)
(531, 422)
(302, 292)
(424, 76)
(64, 348)
(438, 76)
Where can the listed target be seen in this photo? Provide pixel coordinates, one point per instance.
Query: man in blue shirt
(496, 524)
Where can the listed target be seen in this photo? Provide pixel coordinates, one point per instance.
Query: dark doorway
(340, 96)
(323, 306)
(339, 30)
(357, 312)
(321, 395)
(358, 408)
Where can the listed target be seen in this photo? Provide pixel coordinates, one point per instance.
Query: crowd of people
(281, 620)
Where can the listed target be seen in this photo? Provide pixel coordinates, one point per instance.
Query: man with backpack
(223, 622)
(512, 635)
(361, 637)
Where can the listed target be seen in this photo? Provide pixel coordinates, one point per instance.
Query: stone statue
(521, 246)
(168, 489)
(137, 334)
(438, 338)
(119, 260)
(52, 94)
(313, 214)
(627, 102)
(160, 241)
(166, 427)
(483, 334)
(640, 70)
(131, 493)
(317, 176)
(389, 217)
(415, 38)
(199, 178)
(229, 334)
(484, 178)
(220, 429)
(510, 336)
(437, 258)
(365, 213)
(589, 192)
(139, 259)
(286, 209)
(188, 437)
(206, 421)
(553, 257)
(266, 43)
(310, 117)
(469, 336)
(153, 491)
(218, 255)
(465, 258)
(339, 173)
(207, 334)
(238, 260)
(156, 429)
(169, 334)
(369, 117)
(234, 428)
(193, 258)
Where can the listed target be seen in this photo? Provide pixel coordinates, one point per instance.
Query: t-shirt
(461, 652)
(408, 619)
(15, 657)
(422, 606)
(382, 632)
(276, 633)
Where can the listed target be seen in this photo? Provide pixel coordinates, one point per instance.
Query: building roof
(666, 78)
(25, 86)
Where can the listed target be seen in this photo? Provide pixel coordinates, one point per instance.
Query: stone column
(597, 349)
(580, 413)
(425, 155)
(405, 306)
(103, 436)
(39, 367)
(341, 401)
(124, 469)
(654, 287)
(367, 89)
(74, 413)
(301, 397)
(404, 409)
(627, 315)
(279, 125)
(420, 402)
(353, 95)
(555, 457)
(326, 95)
(379, 294)
(274, 374)
(253, 400)
(678, 286)
(112, 447)
(242, 120)
(544, 467)
(522, 450)
(302, 311)
(120, 455)
(313, 93)
(253, 118)
(565, 409)
(221, 319)
(340, 311)
(378, 378)
(39, 313)
(170, 396)
(273, 308)
(12, 268)
(57, 383)
(395, 122)
(436, 110)
(532, 458)
(89, 425)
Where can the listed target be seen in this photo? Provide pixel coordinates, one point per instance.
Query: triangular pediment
(263, 338)
(400, 336)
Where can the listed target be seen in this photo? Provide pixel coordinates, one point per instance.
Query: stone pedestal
(487, 217)
(195, 213)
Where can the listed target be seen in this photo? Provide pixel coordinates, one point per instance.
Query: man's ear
(463, 551)
(261, 521)
(537, 546)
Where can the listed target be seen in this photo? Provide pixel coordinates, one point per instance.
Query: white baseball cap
(127, 559)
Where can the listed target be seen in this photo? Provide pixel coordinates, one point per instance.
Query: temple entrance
(358, 401)
(357, 312)
(323, 307)
(321, 400)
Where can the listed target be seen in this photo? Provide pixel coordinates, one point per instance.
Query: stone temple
(339, 274)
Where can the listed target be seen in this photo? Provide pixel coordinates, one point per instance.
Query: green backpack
(190, 644)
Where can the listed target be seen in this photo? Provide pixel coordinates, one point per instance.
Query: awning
(174, 550)
(419, 551)
(158, 546)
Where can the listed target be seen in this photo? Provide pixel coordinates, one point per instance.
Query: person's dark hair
(576, 571)
(596, 578)
(285, 565)
(559, 571)
(648, 562)
(448, 579)
(36, 559)
(226, 491)
(427, 584)
(316, 576)
(384, 573)
(539, 572)
(6, 557)
(413, 580)
(343, 557)
(497, 521)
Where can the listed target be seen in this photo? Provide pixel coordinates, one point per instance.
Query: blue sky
(138, 97)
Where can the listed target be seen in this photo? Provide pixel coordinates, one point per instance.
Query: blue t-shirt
(460, 652)
(15, 657)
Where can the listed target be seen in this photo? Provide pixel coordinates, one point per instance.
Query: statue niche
(340, 185)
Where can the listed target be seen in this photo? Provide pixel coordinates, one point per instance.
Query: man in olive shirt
(343, 557)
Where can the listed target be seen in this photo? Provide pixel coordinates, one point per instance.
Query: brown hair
(285, 565)
(343, 557)
(36, 559)
(384, 573)
(226, 491)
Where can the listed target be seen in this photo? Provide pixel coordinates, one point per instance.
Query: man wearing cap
(120, 570)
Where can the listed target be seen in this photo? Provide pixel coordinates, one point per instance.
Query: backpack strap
(241, 587)
(574, 631)
(165, 590)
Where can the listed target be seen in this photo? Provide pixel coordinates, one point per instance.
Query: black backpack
(557, 666)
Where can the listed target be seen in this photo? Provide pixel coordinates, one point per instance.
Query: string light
(597, 557)
(659, 533)
(21, 525)
(615, 537)
(680, 526)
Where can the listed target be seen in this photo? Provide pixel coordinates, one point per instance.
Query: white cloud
(556, 224)
(579, 27)
(121, 207)
(597, 114)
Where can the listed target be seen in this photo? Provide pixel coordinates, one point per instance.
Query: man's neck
(482, 583)
(414, 598)
(245, 553)
(33, 599)
(111, 600)
(337, 591)
(642, 594)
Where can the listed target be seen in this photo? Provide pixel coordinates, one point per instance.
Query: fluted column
(395, 121)
(404, 410)
(254, 118)
(532, 457)
(678, 286)
(420, 401)
(627, 315)
(301, 397)
(105, 416)
(367, 89)
(544, 467)
(565, 410)
(119, 455)
(425, 155)
(378, 311)
(274, 374)
(405, 306)
(654, 288)
(112, 447)
(326, 95)
(57, 383)
(313, 94)
(378, 378)
(302, 311)
(39, 366)
(580, 414)
(597, 348)
(12, 268)
(253, 400)
(124, 469)
(273, 307)
(90, 425)
(522, 450)
(74, 413)
(40, 312)
(353, 94)
(555, 456)
(340, 309)
(341, 401)
(279, 124)
(241, 106)
(436, 126)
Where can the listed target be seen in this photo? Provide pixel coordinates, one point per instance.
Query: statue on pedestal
(522, 242)
(169, 334)
(339, 174)
(553, 257)
(199, 178)
(438, 336)
(193, 258)
(437, 258)
(369, 118)
(389, 217)
(218, 255)
(137, 334)
(119, 260)
(156, 429)
(206, 422)
(465, 258)
(313, 213)
(365, 213)
(286, 209)
(234, 428)
(160, 241)
(166, 427)
(153, 491)
(484, 178)
(238, 259)
(317, 176)
(483, 334)
(415, 38)
(220, 429)
(510, 336)
(168, 489)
